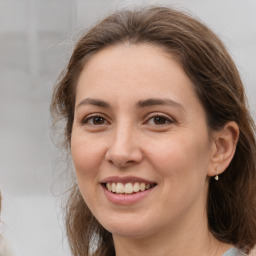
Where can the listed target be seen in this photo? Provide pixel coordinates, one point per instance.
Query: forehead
(124, 54)
(132, 72)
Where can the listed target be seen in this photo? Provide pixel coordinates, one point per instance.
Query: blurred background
(36, 40)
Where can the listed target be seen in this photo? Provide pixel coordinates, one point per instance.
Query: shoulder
(234, 252)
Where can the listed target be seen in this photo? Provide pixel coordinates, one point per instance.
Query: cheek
(182, 165)
(181, 155)
(87, 156)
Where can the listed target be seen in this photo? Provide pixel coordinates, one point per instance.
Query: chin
(128, 232)
(131, 229)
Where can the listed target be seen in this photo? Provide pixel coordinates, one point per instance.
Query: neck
(191, 238)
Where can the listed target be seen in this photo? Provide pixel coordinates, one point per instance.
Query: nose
(124, 148)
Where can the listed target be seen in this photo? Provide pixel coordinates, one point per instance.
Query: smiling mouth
(128, 188)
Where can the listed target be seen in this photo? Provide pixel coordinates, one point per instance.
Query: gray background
(36, 39)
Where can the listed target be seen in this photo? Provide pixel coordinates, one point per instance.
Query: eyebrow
(159, 101)
(140, 104)
(94, 102)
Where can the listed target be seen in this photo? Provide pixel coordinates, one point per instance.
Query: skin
(176, 151)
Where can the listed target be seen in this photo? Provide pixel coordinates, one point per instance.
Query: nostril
(121, 164)
(130, 162)
(123, 157)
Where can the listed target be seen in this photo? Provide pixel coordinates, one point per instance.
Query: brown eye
(98, 120)
(159, 120)
(95, 120)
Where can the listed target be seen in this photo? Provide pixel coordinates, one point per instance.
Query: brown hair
(231, 205)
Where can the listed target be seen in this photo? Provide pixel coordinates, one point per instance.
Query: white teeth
(119, 188)
(136, 187)
(142, 186)
(109, 186)
(113, 187)
(128, 188)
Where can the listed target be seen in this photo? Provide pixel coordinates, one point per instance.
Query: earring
(217, 176)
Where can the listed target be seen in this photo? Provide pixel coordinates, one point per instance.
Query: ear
(223, 148)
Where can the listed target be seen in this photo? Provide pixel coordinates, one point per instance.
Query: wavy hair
(231, 204)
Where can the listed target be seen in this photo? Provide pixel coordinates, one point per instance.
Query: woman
(161, 140)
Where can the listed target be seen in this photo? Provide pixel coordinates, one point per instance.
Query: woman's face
(140, 142)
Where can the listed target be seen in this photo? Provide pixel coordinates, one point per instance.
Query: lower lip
(126, 199)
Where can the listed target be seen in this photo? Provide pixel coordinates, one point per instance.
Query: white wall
(36, 38)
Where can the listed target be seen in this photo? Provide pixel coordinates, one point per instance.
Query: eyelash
(163, 116)
(92, 117)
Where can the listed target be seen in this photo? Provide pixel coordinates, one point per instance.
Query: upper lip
(127, 179)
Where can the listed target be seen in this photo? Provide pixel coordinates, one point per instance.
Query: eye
(158, 119)
(95, 120)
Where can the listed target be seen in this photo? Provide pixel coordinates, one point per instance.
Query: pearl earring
(217, 176)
